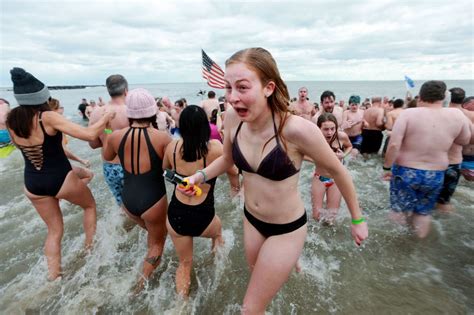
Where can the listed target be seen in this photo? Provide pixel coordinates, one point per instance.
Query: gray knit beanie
(27, 89)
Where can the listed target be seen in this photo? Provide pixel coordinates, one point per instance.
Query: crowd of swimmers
(259, 139)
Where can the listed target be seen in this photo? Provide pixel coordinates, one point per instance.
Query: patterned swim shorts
(113, 174)
(414, 190)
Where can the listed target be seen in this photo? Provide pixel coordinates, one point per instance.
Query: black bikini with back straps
(141, 190)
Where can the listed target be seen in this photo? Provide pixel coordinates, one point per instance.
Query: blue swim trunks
(414, 190)
(356, 141)
(4, 136)
(113, 174)
(467, 162)
(467, 167)
(451, 180)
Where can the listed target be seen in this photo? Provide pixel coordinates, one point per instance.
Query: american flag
(212, 72)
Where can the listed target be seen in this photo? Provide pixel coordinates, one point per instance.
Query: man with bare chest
(352, 122)
(302, 107)
(467, 166)
(453, 172)
(372, 134)
(391, 118)
(117, 86)
(417, 155)
(328, 106)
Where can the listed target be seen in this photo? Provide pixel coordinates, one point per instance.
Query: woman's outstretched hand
(359, 232)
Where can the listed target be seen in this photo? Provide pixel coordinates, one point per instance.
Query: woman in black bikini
(192, 216)
(37, 132)
(323, 184)
(141, 149)
(268, 144)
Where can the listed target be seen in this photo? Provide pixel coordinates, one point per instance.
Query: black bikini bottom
(270, 229)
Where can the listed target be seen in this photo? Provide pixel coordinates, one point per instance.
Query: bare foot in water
(88, 247)
(298, 266)
(56, 276)
(139, 286)
(217, 242)
(444, 208)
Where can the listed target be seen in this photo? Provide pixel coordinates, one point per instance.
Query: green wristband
(203, 175)
(107, 131)
(358, 221)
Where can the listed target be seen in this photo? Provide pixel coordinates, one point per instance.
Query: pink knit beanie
(140, 104)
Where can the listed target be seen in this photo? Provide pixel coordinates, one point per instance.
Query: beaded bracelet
(203, 175)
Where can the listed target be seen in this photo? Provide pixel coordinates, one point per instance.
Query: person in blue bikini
(323, 184)
(6, 146)
(268, 144)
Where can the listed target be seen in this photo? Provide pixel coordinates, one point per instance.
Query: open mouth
(241, 111)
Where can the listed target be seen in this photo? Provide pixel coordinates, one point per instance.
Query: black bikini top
(340, 147)
(275, 166)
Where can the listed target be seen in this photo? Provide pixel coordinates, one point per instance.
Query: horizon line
(144, 83)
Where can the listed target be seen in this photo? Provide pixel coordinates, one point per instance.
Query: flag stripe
(215, 77)
(212, 72)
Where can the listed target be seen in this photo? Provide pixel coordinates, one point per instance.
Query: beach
(390, 273)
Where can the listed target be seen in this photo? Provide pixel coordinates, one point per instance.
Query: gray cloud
(159, 41)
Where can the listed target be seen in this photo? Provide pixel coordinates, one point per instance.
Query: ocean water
(392, 272)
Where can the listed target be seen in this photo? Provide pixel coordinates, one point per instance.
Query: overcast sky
(82, 42)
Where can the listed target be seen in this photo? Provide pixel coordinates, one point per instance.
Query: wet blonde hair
(53, 104)
(261, 61)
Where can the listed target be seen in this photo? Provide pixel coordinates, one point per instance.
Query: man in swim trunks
(352, 122)
(372, 133)
(82, 109)
(467, 166)
(117, 87)
(452, 174)
(417, 155)
(302, 107)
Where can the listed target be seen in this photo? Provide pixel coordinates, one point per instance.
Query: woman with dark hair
(215, 132)
(37, 132)
(323, 184)
(268, 144)
(191, 216)
(140, 149)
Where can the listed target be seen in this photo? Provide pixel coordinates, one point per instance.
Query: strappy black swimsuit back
(141, 190)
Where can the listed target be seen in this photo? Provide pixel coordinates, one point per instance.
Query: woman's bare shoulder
(215, 149)
(297, 126)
